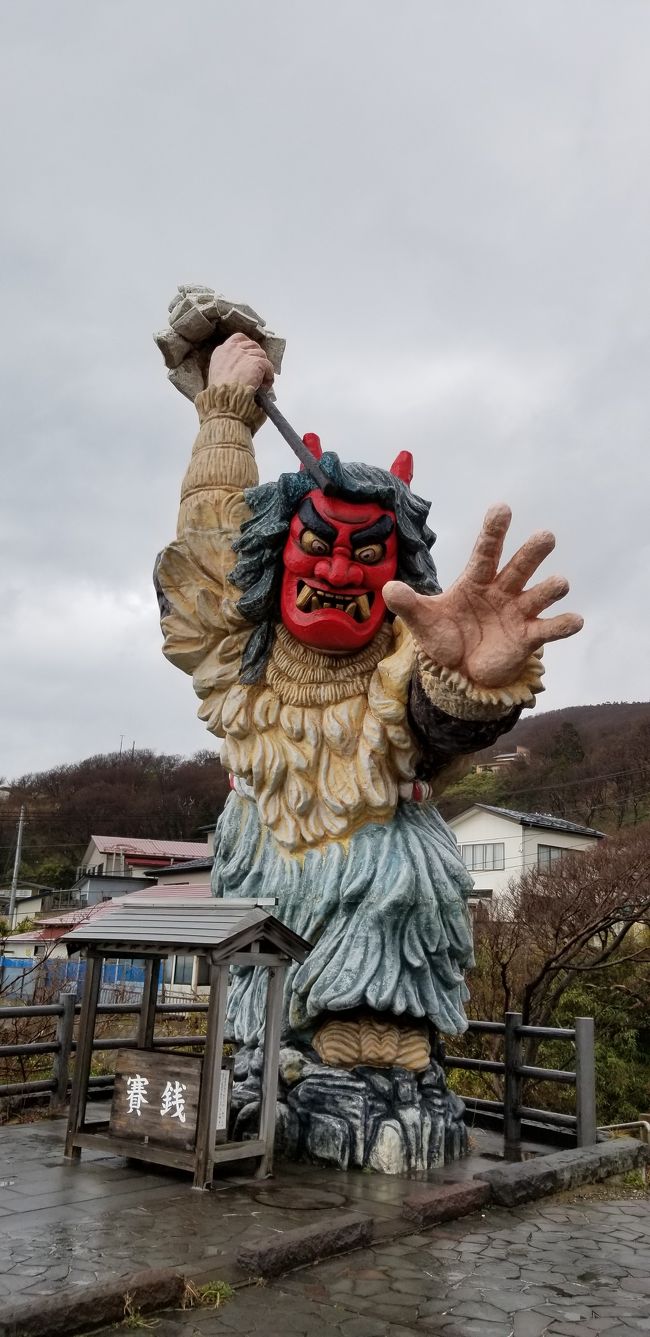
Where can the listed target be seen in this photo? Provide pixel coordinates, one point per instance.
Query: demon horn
(402, 467)
(312, 442)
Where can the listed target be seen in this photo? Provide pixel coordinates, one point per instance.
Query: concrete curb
(85, 1308)
(430, 1206)
(524, 1181)
(307, 1244)
(82, 1309)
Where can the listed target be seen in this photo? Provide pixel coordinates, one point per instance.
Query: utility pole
(14, 880)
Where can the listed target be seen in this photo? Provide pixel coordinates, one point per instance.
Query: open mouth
(311, 600)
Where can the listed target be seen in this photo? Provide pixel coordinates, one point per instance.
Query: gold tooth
(363, 604)
(351, 608)
(304, 597)
(315, 604)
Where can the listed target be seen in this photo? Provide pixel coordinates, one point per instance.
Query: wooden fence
(512, 1068)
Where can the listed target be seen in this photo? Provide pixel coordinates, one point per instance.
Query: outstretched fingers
(544, 629)
(541, 596)
(518, 571)
(486, 555)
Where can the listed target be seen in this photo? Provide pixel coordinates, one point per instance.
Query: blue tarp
(23, 977)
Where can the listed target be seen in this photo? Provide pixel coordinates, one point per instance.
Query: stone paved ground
(64, 1225)
(543, 1269)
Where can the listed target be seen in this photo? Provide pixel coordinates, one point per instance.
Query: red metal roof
(157, 849)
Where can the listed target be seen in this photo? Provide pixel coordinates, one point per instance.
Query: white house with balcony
(498, 844)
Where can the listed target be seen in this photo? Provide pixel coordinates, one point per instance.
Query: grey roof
(215, 929)
(184, 867)
(544, 820)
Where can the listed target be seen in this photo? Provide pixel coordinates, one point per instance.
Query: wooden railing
(514, 1070)
(63, 1045)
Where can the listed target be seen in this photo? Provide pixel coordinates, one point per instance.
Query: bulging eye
(371, 553)
(311, 543)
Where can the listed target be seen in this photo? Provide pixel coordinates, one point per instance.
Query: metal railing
(515, 1072)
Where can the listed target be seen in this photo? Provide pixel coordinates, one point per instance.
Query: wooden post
(206, 1126)
(272, 1033)
(585, 1082)
(61, 1066)
(79, 1093)
(512, 1089)
(147, 1022)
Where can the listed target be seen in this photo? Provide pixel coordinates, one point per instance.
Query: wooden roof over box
(217, 930)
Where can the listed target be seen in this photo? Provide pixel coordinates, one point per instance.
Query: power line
(642, 768)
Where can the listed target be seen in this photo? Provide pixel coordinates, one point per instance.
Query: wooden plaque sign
(156, 1097)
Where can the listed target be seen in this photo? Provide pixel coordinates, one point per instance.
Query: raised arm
(196, 604)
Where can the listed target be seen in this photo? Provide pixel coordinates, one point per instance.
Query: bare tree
(583, 916)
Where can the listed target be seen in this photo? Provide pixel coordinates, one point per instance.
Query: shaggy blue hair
(258, 572)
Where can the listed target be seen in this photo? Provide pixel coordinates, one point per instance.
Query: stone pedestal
(388, 1120)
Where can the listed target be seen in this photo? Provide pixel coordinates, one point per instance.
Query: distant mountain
(587, 763)
(135, 793)
(610, 720)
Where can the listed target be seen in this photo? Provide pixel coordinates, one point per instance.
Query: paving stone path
(544, 1268)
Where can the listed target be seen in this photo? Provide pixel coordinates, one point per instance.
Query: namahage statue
(347, 689)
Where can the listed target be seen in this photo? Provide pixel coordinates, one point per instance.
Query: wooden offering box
(171, 1109)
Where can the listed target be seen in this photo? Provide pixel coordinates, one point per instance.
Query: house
(498, 843)
(42, 938)
(503, 760)
(181, 974)
(135, 856)
(111, 863)
(28, 901)
(32, 900)
(183, 977)
(190, 874)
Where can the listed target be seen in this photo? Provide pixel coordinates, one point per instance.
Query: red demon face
(337, 558)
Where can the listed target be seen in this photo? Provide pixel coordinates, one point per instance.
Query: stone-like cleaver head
(199, 320)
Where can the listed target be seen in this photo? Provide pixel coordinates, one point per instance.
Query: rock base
(389, 1120)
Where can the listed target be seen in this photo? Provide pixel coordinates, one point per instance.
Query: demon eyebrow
(310, 517)
(374, 533)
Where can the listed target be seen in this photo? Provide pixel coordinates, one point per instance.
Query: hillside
(132, 794)
(589, 764)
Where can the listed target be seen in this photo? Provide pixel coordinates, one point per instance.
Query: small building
(498, 844)
(29, 900)
(503, 760)
(127, 857)
(195, 872)
(183, 975)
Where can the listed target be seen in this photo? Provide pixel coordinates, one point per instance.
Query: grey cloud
(444, 208)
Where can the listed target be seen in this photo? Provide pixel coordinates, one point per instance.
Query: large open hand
(487, 624)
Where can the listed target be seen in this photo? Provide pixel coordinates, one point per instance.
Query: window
(484, 858)
(548, 854)
(183, 969)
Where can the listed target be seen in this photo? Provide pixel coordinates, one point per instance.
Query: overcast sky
(444, 208)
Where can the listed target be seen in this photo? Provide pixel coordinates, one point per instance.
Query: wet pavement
(65, 1225)
(543, 1269)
